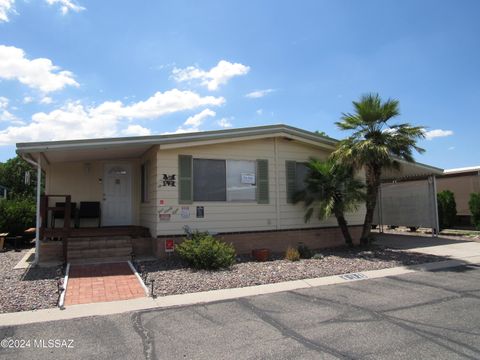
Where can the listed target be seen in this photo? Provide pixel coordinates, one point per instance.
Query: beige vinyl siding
(149, 209)
(219, 216)
(292, 215)
(241, 216)
(462, 186)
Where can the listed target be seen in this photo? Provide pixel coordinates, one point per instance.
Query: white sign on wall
(248, 178)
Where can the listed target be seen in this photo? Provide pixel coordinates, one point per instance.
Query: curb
(118, 307)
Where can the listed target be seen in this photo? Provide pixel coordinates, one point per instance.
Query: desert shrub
(318, 256)
(292, 254)
(304, 251)
(447, 209)
(16, 216)
(203, 251)
(474, 205)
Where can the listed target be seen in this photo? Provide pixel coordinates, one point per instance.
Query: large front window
(224, 180)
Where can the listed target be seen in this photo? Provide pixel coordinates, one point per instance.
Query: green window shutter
(262, 182)
(290, 173)
(185, 181)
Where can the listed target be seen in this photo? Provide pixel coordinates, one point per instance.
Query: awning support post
(39, 220)
(380, 209)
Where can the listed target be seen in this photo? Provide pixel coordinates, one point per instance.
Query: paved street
(427, 315)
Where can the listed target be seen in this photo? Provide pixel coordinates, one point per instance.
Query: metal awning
(410, 171)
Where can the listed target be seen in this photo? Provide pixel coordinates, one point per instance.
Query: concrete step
(117, 237)
(99, 260)
(123, 251)
(98, 243)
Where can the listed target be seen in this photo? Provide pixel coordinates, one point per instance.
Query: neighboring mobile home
(462, 182)
(237, 183)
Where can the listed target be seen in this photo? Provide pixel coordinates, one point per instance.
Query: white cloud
(451, 148)
(6, 7)
(196, 120)
(259, 93)
(66, 6)
(136, 130)
(259, 111)
(224, 123)
(6, 115)
(432, 134)
(4, 102)
(38, 73)
(77, 121)
(213, 78)
(27, 99)
(46, 100)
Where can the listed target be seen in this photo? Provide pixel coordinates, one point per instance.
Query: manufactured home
(133, 195)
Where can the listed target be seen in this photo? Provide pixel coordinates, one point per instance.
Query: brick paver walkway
(92, 283)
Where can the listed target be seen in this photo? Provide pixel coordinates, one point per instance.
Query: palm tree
(375, 144)
(331, 189)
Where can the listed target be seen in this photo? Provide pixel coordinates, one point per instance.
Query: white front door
(117, 194)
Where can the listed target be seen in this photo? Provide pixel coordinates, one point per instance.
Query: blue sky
(80, 69)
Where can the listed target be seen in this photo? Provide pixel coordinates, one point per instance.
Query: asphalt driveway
(426, 315)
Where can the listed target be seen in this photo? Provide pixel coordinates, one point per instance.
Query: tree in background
(474, 205)
(17, 212)
(12, 176)
(447, 209)
(331, 189)
(375, 144)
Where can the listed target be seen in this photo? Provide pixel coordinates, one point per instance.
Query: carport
(408, 197)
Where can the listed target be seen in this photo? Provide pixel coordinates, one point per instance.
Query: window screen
(241, 180)
(209, 180)
(301, 172)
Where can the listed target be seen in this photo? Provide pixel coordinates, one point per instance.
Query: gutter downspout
(38, 165)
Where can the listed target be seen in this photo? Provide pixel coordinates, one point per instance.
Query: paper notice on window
(248, 178)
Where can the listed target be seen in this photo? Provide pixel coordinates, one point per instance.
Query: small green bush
(203, 251)
(474, 205)
(304, 251)
(447, 209)
(292, 254)
(16, 216)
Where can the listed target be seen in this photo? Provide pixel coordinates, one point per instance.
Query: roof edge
(172, 138)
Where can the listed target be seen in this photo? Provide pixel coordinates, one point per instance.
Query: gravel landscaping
(36, 288)
(172, 277)
(25, 289)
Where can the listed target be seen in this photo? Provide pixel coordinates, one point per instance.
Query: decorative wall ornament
(168, 210)
(168, 180)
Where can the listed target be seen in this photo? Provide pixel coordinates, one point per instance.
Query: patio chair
(89, 210)
(60, 214)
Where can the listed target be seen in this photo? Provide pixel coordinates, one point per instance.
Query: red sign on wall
(169, 245)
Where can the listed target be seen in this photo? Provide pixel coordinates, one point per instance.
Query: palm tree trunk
(373, 174)
(342, 223)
